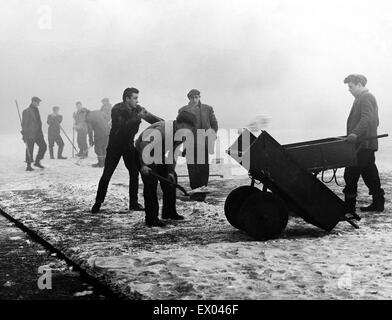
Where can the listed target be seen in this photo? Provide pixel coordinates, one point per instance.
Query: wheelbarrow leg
(350, 219)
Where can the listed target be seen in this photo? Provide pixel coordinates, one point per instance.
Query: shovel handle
(170, 182)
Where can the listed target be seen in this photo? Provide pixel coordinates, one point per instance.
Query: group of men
(112, 131)
(125, 120)
(92, 124)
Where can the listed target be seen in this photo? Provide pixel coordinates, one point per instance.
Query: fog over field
(285, 59)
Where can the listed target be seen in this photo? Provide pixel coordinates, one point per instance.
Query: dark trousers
(113, 156)
(151, 203)
(366, 168)
(100, 145)
(199, 173)
(82, 141)
(40, 141)
(55, 138)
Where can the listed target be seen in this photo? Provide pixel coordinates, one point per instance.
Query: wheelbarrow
(288, 174)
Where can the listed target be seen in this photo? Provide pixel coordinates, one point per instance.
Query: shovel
(181, 188)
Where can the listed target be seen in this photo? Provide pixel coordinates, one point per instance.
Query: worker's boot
(97, 165)
(136, 207)
(29, 167)
(38, 164)
(198, 196)
(51, 153)
(171, 214)
(377, 204)
(155, 223)
(96, 207)
(102, 162)
(60, 153)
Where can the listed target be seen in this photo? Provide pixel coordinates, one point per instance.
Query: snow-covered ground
(202, 257)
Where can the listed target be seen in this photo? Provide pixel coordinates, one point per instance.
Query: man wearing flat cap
(362, 123)
(32, 134)
(205, 120)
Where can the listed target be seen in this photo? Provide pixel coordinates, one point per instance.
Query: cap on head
(35, 99)
(193, 92)
(356, 78)
(105, 100)
(78, 103)
(55, 108)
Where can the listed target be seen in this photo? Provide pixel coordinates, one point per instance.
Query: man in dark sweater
(126, 119)
(162, 162)
(54, 120)
(362, 123)
(32, 134)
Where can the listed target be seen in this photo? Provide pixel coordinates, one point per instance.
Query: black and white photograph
(206, 152)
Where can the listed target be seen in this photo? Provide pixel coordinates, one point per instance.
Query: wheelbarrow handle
(367, 138)
(374, 137)
(181, 188)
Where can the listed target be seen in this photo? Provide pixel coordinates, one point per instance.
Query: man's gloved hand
(351, 138)
(144, 170)
(172, 177)
(91, 143)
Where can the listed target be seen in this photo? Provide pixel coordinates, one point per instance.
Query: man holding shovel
(362, 123)
(54, 120)
(157, 164)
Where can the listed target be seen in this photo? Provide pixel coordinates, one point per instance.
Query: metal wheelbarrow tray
(288, 172)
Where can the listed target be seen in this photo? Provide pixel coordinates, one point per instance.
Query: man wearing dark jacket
(106, 108)
(54, 120)
(80, 126)
(163, 164)
(126, 119)
(32, 134)
(362, 123)
(98, 133)
(199, 171)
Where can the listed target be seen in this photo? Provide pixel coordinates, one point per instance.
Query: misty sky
(285, 59)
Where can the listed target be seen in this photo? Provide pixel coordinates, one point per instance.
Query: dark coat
(54, 124)
(205, 119)
(31, 123)
(363, 119)
(80, 124)
(97, 125)
(204, 114)
(126, 121)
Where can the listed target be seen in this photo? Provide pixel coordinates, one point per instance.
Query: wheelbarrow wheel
(265, 216)
(233, 204)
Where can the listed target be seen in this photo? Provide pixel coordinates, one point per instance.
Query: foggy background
(284, 59)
